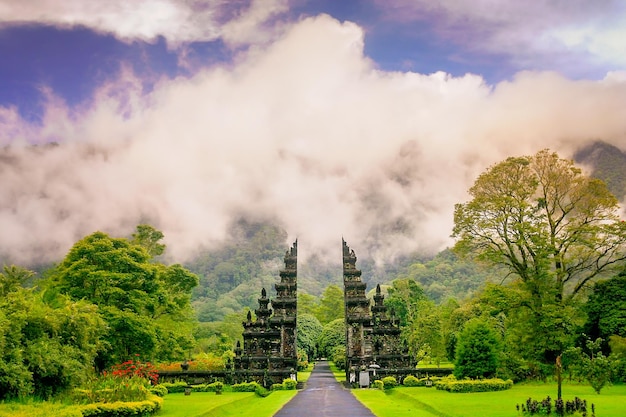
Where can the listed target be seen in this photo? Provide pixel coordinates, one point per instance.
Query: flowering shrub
(134, 367)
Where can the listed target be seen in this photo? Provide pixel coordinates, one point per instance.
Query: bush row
(180, 386)
(123, 409)
(412, 381)
(468, 385)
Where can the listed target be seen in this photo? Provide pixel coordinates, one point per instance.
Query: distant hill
(608, 163)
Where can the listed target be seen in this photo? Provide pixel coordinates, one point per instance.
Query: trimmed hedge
(470, 385)
(378, 384)
(181, 386)
(277, 387)
(123, 409)
(411, 381)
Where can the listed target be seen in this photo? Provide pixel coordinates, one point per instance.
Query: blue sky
(367, 119)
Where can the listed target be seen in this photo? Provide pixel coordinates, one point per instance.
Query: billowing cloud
(305, 131)
(177, 21)
(527, 32)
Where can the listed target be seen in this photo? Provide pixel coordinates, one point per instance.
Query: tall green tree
(404, 297)
(145, 304)
(331, 305)
(309, 332)
(606, 310)
(545, 221)
(554, 229)
(477, 351)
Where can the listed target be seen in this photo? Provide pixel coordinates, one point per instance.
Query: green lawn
(204, 404)
(428, 402)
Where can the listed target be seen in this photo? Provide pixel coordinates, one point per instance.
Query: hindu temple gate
(373, 344)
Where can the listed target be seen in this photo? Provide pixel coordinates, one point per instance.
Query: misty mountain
(607, 163)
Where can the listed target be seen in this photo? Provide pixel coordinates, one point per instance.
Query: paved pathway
(323, 396)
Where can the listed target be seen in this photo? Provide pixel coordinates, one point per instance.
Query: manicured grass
(204, 404)
(38, 409)
(338, 374)
(428, 402)
(303, 376)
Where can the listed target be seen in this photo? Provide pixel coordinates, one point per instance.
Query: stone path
(323, 396)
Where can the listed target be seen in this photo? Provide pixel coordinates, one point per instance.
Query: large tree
(539, 216)
(145, 304)
(554, 229)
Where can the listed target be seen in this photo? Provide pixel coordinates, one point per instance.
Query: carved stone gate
(373, 346)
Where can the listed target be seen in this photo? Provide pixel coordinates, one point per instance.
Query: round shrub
(411, 381)
(378, 384)
(277, 387)
(158, 390)
(389, 382)
(289, 384)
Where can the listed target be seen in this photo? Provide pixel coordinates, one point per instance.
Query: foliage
(378, 384)
(424, 333)
(158, 390)
(410, 381)
(246, 387)
(477, 351)
(606, 309)
(389, 382)
(290, 384)
(597, 368)
(123, 409)
(555, 231)
(112, 388)
(403, 297)
(144, 304)
(560, 407)
(309, 331)
(545, 221)
(136, 368)
(231, 276)
(333, 335)
(468, 385)
(47, 344)
(331, 305)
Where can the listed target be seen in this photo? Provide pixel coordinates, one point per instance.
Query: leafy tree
(309, 331)
(597, 368)
(47, 344)
(331, 305)
(12, 278)
(541, 218)
(425, 333)
(146, 305)
(477, 351)
(403, 298)
(307, 303)
(148, 237)
(554, 229)
(333, 335)
(606, 309)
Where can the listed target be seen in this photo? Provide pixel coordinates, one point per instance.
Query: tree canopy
(542, 218)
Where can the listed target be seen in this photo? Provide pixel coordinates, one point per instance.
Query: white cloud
(528, 32)
(305, 131)
(178, 21)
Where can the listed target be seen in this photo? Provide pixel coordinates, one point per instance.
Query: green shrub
(411, 381)
(246, 387)
(123, 409)
(290, 384)
(389, 382)
(158, 390)
(109, 389)
(174, 387)
(277, 387)
(469, 385)
(378, 384)
(262, 392)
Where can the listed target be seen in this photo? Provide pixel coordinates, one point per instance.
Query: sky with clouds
(363, 119)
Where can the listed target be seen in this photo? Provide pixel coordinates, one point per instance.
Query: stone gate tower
(269, 353)
(373, 340)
